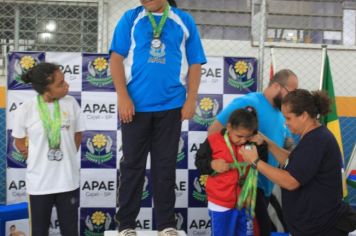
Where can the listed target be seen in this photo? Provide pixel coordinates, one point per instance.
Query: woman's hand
(259, 138)
(220, 165)
(249, 155)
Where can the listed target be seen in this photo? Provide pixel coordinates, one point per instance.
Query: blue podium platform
(12, 212)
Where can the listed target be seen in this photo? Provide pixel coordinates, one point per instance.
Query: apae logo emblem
(199, 186)
(99, 73)
(22, 66)
(97, 223)
(99, 149)
(158, 54)
(240, 75)
(206, 111)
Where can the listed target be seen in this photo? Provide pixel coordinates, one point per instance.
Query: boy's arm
(203, 159)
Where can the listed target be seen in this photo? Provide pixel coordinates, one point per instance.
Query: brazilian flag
(331, 120)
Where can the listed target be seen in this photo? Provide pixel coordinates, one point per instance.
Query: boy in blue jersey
(155, 47)
(271, 123)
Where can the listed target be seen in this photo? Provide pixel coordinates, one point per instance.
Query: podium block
(12, 212)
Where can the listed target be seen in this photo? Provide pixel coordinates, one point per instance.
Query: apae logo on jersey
(158, 54)
(99, 148)
(199, 186)
(98, 72)
(65, 120)
(240, 75)
(206, 111)
(97, 223)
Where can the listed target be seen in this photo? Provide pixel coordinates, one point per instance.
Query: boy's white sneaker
(128, 232)
(168, 232)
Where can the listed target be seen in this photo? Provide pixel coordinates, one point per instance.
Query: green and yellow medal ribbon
(157, 29)
(248, 192)
(51, 126)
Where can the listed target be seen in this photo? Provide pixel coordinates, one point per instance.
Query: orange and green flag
(272, 67)
(331, 120)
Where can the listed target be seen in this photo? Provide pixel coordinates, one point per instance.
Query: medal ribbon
(157, 29)
(248, 192)
(241, 167)
(51, 126)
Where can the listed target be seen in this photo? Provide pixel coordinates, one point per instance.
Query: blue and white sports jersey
(156, 77)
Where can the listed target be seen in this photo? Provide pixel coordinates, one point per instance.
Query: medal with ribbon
(156, 42)
(247, 182)
(52, 128)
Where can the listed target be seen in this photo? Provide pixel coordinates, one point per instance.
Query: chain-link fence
(47, 26)
(248, 28)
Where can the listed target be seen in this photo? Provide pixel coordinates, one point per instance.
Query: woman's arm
(279, 153)
(276, 175)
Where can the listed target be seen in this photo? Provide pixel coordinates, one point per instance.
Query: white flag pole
(323, 56)
(351, 160)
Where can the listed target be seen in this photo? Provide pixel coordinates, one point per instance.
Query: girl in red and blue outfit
(230, 187)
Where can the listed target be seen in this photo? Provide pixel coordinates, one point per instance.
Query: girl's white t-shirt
(44, 176)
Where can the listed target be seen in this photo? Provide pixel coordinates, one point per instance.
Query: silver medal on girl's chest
(156, 43)
(58, 155)
(55, 154)
(51, 154)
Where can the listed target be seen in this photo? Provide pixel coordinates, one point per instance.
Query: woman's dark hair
(245, 118)
(172, 3)
(313, 103)
(41, 75)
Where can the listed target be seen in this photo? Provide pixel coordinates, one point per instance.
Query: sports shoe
(128, 232)
(168, 232)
